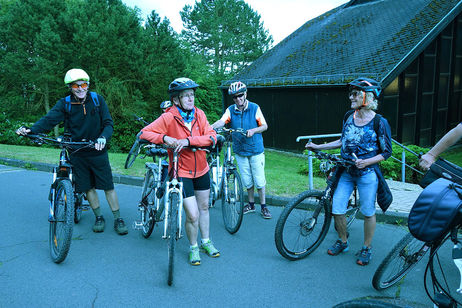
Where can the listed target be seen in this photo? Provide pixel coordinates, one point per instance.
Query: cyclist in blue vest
(86, 117)
(249, 150)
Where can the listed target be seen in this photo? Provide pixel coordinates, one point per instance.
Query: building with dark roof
(413, 47)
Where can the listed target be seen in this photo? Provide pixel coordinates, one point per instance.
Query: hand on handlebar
(311, 146)
(23, 131)
(426, 161)
(100, 143)
(177, 144)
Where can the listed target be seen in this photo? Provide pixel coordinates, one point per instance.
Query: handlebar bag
(442, 169)
(435, 211)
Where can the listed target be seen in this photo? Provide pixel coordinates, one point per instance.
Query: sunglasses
(238, 96)
(354, 93)
(82, 85)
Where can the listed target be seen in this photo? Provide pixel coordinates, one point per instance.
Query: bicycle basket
(442, 169)
(435, 211)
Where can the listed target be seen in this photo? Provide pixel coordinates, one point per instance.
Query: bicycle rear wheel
(232, 205)
(60, 233)
(147, 199)
(303, 225)
(172, 234)
(134, 151)
(399, 261)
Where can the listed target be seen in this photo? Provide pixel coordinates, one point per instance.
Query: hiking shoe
(210, 249)
(194, 257)
(99, 224)
(120, 227)
(249, 209)
(337, 248)
(364, 256)
(265, 213)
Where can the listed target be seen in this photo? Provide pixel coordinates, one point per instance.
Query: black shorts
(191, 185)
(92, 172)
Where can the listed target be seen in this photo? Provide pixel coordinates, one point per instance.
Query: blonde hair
(371, 101)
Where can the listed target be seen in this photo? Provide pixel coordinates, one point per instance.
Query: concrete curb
(390, 217)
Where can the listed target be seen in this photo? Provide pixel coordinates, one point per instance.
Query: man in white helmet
(86, 117)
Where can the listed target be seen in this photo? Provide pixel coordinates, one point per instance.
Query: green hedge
(391, 168)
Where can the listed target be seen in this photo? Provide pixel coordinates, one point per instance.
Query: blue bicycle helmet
(366, 85)
(181, 84)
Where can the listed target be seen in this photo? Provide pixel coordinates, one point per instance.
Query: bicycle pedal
(137, 225)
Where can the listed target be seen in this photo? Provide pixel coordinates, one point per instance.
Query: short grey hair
(371, 101)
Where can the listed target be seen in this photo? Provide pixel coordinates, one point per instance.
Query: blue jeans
(367, 188)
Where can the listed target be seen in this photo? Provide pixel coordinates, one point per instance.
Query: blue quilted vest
(246, 119)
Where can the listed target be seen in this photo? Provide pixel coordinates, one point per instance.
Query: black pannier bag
(442, 168)
(435, 211)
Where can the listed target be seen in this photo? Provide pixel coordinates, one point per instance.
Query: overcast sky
(280, 17)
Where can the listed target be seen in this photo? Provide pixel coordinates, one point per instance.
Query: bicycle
(225, 181)
(305, 220)
(161, 198)
(399, 261)
(66, 204)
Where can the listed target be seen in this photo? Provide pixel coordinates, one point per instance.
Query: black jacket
(85, 121)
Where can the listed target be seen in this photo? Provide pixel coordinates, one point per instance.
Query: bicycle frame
(173, 186)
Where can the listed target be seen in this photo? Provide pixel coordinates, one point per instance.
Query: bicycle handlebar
(232, 130)
(333, 158)
(41, 138)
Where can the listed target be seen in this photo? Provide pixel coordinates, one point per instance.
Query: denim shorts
(252, 170)
(367, 188)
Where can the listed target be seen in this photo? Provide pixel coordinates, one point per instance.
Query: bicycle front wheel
(60, 233)
(147, 197)
(399, 261)
(232, 204)
(303, 225)
(172, 234)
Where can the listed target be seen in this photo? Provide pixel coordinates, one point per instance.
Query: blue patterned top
(360, 140)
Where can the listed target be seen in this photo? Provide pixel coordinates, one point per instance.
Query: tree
(228, 33)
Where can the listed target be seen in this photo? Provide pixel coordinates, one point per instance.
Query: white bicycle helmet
(74, 75)
(237, 87)
(165, 104)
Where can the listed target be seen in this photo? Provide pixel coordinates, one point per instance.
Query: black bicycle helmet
(181, 84)
(366, 85)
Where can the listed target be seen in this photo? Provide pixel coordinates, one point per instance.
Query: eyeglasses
(238, 96)
(189, 95)
(83, 85)
(354, 93)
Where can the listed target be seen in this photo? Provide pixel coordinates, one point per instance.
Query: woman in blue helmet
(366, 139)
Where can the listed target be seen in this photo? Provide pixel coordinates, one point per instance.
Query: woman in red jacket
(180, 126)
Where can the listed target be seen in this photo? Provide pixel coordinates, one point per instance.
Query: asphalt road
(108, 270)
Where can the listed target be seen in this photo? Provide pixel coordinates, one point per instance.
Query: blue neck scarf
(187, 116)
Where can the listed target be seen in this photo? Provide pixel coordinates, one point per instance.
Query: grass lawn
(281, 168)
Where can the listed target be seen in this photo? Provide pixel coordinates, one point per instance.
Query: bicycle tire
(132, 154)
(399, 261)
(442, 296)
(232, 208)
(368, 303)
(78, 198)
(297, 221)
(147, 195)
(60, 232)
(352, 210)
(172, 234)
